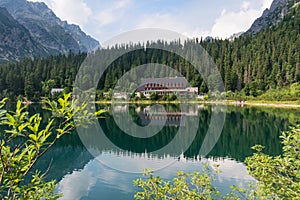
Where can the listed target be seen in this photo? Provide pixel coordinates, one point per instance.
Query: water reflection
(81, 176)
(125, 131)
(95, 180)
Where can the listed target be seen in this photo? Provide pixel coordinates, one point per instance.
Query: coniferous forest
(250, 65)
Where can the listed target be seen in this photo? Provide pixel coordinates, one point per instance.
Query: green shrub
(24, 140)
(277, 178)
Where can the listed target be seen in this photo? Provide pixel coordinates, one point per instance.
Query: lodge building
(170, 85)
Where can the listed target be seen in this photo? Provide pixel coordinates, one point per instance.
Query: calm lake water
(105, 167)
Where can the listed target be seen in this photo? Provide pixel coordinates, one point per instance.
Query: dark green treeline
(251, 64)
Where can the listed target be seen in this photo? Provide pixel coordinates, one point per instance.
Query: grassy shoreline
(258, 103)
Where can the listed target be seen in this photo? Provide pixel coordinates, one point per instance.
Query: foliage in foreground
(277, 178)
(24, 139)
(184, 186)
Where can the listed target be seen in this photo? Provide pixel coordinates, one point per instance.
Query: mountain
(86, 42)
(14, 37)
(272, 16)
(235, 35)
(52, 34)
(249, 65)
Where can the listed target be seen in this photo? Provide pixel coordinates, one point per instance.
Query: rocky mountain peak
(270, 17)
(52, 34)
(15, 40)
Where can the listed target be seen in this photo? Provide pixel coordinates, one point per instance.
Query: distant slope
(269, 59)
(272, 16)
(52, 34)
(86, 43)
(15, 40)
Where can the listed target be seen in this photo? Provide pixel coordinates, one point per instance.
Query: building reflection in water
(169, 115)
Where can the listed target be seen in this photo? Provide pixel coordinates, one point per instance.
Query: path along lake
(93, 166)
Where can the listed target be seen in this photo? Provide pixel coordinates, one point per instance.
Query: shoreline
(227, 102)
(255, 103)
(258, 104)
(277, 105)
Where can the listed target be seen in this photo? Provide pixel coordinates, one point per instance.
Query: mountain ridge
(271, 16)
(52, 34)
(249, 65)
(12, 48)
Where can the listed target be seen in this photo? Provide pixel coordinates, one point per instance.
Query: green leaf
(33, 137)
(100, 112)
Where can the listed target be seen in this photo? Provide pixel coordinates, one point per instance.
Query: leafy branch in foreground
(277, 178)
(24, 139)
(188, 186)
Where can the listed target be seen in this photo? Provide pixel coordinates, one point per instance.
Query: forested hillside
(268, 60)
(35, 78)
(249, 65)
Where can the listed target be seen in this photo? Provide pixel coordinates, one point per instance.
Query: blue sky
(104, 19)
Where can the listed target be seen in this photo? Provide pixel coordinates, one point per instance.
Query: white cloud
(266, 4)
(245, 5)
(122, 3)
(159, 20)
(230, 22)
(95, 176)
(74, 11)
(112, 12)
(105, 19)
(170, 22)
(77, 184)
